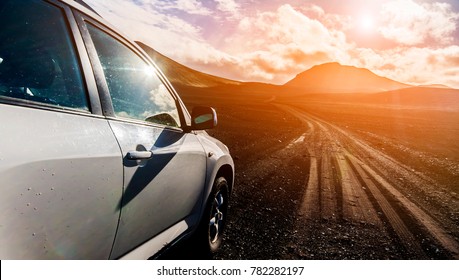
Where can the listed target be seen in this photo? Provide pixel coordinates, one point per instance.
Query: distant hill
(180, 75)
(323, 83)
(336, 78)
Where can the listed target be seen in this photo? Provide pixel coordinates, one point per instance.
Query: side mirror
(162, 118)
(203, 118)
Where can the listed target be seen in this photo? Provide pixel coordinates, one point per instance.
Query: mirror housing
(203, 118)
(162, 118)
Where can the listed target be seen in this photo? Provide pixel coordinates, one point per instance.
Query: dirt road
(317, 178)
(354, 186)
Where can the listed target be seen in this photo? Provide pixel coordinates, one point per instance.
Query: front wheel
(214, 219)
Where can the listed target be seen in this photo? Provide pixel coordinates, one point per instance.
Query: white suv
(99, 158)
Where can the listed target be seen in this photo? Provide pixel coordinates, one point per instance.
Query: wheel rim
(217, 217)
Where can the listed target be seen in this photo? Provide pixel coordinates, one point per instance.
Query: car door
(60, 171)
(164, 167)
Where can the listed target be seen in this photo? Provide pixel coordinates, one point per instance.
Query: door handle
(136, 155)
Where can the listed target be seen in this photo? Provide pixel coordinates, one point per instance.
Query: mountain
(324, 82)
(180, 75)
(336, 78)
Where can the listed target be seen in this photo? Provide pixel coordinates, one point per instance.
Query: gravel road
(310, 188)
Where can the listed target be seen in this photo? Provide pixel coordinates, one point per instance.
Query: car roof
(84, 8)
(83, 3)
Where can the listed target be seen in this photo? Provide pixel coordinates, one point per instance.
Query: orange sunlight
(366, 23)
(413, 42)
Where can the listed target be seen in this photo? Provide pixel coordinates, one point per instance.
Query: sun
(366, 23)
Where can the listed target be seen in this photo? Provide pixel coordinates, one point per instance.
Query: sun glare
(366, 23)
(149, 71)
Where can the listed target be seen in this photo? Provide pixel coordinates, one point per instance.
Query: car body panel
(156, 244)
(61, 180)
(218, 160)
(162, 190)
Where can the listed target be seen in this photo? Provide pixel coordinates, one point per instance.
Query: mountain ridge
(181, 75)
(333, 77)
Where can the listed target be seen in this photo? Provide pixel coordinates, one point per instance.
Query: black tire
(213, 222)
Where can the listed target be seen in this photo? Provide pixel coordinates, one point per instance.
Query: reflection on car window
(37, 59)
(135, 88)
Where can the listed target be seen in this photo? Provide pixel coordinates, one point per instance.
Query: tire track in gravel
(350, 180)
(312, 189)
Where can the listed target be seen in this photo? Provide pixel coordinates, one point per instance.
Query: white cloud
(331, 21)
(411, 23)
(192, 7)
(142, 21)
(282, 43)
(275, 45)
(229, 6)
(413, 65)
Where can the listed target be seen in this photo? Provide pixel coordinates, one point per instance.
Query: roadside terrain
(358, 190)
(336, 181)
(338, 163)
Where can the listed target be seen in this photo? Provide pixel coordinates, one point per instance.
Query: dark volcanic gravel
(271, 176)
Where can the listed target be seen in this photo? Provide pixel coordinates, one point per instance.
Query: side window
(135, 88)
(38, 61)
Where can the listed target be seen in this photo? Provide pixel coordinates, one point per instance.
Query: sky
(411, 41)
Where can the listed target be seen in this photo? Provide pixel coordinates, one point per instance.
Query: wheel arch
(227, 172)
